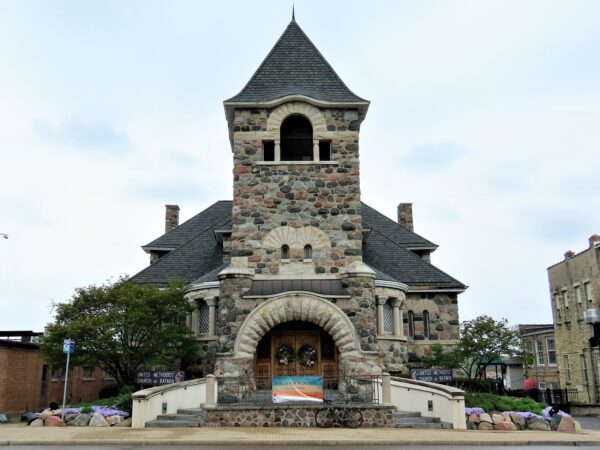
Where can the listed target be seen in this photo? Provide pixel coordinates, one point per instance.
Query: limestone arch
(313, 114)
(296, 238)
(304, 307)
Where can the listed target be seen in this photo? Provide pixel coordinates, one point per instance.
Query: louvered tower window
(203, 318)
(388, 318)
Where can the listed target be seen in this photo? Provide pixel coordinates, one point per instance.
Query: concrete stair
(408, 419)
(185, 418)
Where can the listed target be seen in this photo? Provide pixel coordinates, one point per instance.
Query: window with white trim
(551, 351)
(411, 324)
(307, 251)
(285, 251)
(567, 368)
(539, 352)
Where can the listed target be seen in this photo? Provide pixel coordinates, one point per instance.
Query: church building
(296, 275)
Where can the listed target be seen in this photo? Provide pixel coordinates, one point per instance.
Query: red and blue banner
(297, 389)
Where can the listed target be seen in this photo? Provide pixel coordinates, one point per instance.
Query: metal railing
(562, 397)
(250, 391)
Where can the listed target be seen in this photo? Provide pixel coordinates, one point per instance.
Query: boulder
(555, 422)
(45, 413)
(506, 417)
(485, 426)
(518, 420)
(507, 426)
(472, 425)
(497, 418)
(485, 417)
(53, 421)
(98, 421)
(577, 427)
(566, 425)
(537, 424)
(36, 423)
(113, 420)
(124, 423)
(70, 416)
(473, 418)
(57, 412)
(82, 420)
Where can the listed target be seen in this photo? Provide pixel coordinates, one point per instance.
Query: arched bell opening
(296, 135)
(297, 348)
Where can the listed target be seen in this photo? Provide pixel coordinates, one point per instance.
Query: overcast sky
(485, 115)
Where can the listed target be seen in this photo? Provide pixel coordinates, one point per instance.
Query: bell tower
(294, 133)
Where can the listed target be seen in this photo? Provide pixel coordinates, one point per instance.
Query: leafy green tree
(483, 340)
(122, 328)
(436, 357)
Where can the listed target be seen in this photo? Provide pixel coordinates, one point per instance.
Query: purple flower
(107, 411)
(474, 410)
(546, 413)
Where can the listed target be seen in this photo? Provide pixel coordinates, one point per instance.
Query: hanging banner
(297, 389)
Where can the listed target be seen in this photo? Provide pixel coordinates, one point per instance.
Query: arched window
(203, 318)
(307, 252)
(411, 324)
(285, 252)
(426, 331)
(296, 136)
(388, 318)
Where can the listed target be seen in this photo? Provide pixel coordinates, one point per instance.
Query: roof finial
(293, 14)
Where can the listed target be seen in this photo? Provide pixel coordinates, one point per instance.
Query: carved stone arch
(296, 238)
(313, 114)
(304, 307)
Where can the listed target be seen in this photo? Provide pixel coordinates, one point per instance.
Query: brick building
(296, 264)
(28, 384)
(540, 342)
(575, 290)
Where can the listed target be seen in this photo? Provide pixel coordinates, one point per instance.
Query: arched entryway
(297, 348)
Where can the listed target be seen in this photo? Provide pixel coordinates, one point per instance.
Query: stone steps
(410, 419)
(184, 418)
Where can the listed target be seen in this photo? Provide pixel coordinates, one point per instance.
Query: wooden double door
(299, 337)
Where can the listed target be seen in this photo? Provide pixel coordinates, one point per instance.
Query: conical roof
(294, 66)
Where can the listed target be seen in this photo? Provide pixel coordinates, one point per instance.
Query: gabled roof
(294, 66)
(198, 257)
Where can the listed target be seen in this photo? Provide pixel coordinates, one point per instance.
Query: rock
(507, 426)
(537, 424)
(577, 426)
(53, 421)
(36, 423)
(69, 417)
(124, 423)
(555, 422)
(506, 417)
(82, 420)
(497, 418)
(485, 417)
(473, 418)
(472, 425)
(485, 426)
(45, 413)
(57, 412)
(113, 420)
(98, 421)
(518, 420)
(566, 425)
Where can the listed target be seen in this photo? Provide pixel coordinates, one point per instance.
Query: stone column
(397, 317)
(386, 388)
(380, 325)
(315, 150)
(194, 321)
(277, 150)
(212, 315)
(210, 390)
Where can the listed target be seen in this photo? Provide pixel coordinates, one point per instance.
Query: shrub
(491, 402)
(108, 391)
(86, 410)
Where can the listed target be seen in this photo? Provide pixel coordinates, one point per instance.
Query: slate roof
(198, 257)
(294, 66)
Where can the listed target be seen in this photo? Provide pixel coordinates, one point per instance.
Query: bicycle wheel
(353, 418)
(324, 418)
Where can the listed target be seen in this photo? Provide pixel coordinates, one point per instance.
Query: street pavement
(292, 438)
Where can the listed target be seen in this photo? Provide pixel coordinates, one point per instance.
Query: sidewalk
(15, 435)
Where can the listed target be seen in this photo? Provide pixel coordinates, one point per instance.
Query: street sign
(432, 375)
(68, 347)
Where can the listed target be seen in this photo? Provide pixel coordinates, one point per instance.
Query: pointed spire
(293, 14)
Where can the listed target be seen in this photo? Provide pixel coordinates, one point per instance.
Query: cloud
(435, 156)
(84, 134)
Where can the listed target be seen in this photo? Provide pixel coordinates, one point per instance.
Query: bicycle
(348, 417)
